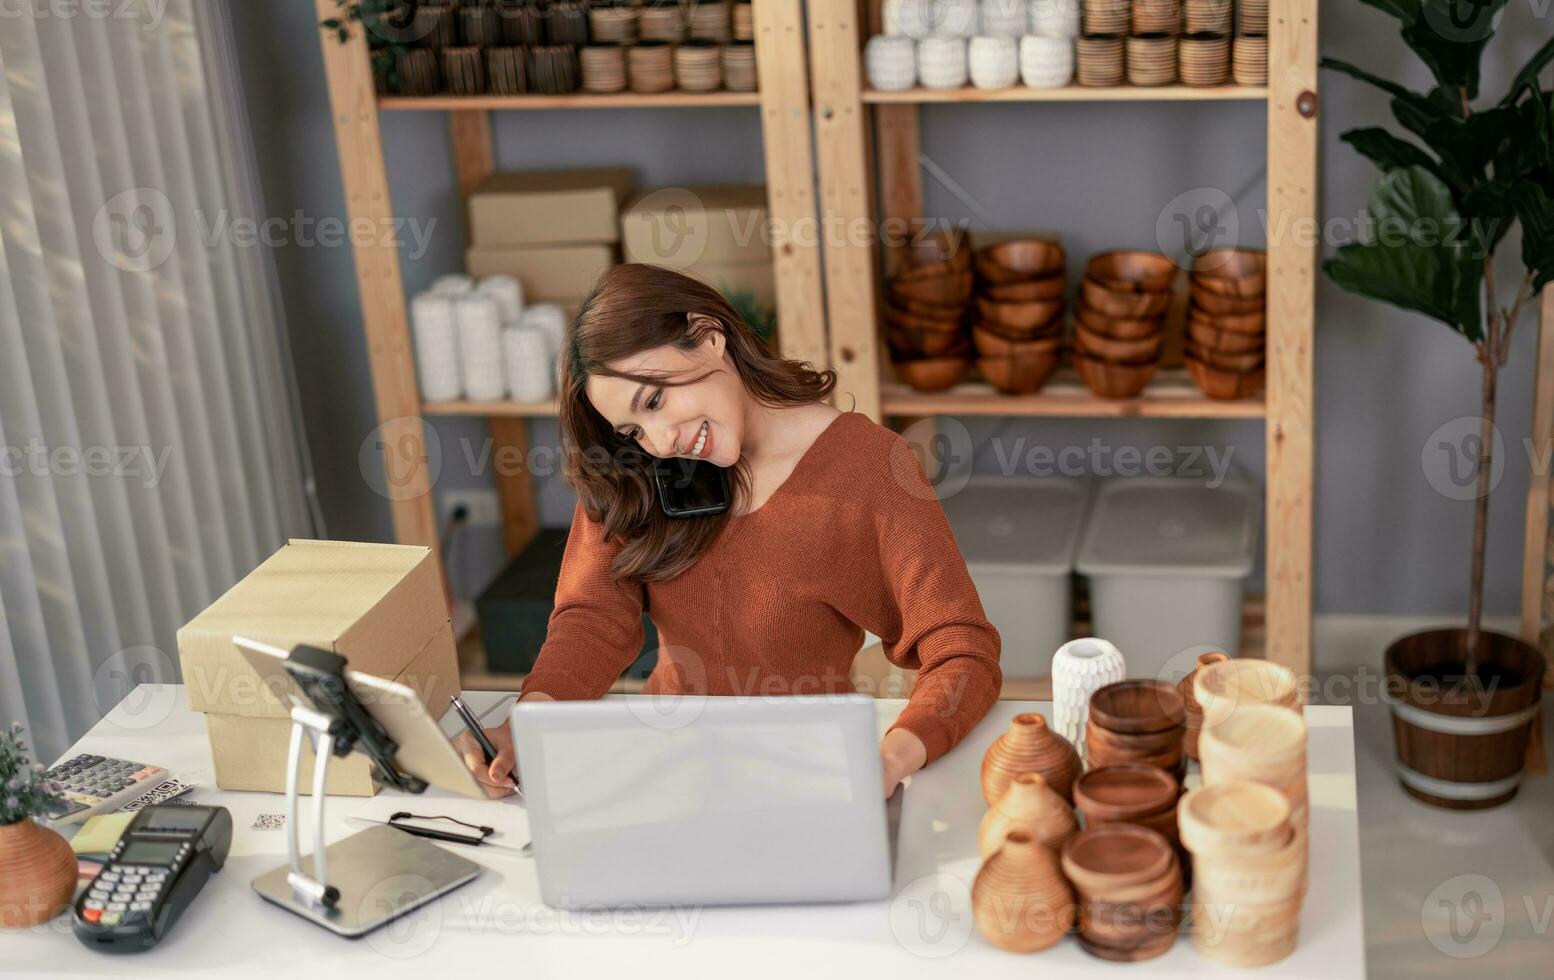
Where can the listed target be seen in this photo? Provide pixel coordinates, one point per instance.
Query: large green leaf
(1449, 37)
(1418, 258)
(1387, 151)
(1468, 145)
(1420, 102)
(1535, 210)
(1528, 76)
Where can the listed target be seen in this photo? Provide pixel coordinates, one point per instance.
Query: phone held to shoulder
(691, 487)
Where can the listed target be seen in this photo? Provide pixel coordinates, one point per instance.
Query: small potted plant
(37, 867)
(1468, 172)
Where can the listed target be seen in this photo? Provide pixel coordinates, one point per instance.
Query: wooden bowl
(925, 343)
(1052, 328)
(1127, 328)
(1026, 290)
(1138, 706)
(1232, 263)
(947, 290)
(1217, 305)
(991, 343)
(1109, 856)
(1019, 374)
(1020, 258)
(1234, 818)
(1020, 315)
(1135, 743)
(936, 311)
(1135, 271)
(1242, 323)
(1111, 302)
(1224, 384)
(1244, 287)
(895, 316)
(932, 373)
(1110, 379)
(1240, 363)
(1112, 348)
(1209, 335)
(948, 245)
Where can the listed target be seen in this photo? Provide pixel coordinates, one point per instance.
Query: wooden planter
(1460, 744)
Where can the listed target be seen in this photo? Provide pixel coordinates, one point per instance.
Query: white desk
(497, 926)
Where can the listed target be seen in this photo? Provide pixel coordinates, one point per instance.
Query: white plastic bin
(1167, 560)
(1018, 536)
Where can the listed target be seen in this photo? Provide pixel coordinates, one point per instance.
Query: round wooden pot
(37, 874)
(1462, 742)
(1030, 806)
(1020, 900)
(1029, 745)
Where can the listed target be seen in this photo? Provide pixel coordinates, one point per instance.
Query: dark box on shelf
(515, 609)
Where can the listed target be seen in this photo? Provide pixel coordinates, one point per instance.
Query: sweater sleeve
(932, 620)
(595, 630)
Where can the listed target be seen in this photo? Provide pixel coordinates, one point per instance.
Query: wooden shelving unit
(621, 100)
(867, 144)
(492, 409)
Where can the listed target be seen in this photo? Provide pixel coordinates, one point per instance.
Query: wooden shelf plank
(618, 100)
(1074, 93)
(492, 409)
(1171, 395)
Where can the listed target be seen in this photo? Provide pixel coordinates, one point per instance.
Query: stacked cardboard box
(381, 607)
(720, 234)
(555, 231)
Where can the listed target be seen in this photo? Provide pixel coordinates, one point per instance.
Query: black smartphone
(691, 487)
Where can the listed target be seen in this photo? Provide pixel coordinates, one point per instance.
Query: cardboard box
(558, 273)
(687, 227)
(381, 607)
(549, 207)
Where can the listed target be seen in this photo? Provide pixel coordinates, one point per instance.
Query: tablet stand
(373, 876)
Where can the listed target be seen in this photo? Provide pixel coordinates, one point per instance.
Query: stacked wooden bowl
(1249, 862)
(926, 307)
(1260, 743)
(1138, 721)
(1129, 792)
(1221, 687)
(1226, 322)
(1123, 301)
(1184, 687)
(1128, 881)
(1018, 330)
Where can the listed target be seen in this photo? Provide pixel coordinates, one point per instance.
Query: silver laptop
(653, 800)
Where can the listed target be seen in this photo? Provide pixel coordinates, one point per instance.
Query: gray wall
(1386, 542)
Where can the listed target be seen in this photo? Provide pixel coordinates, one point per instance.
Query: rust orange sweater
(854, 539)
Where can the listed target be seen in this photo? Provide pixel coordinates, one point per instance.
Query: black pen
(473, 724)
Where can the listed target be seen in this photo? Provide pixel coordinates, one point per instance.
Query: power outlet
(483, 507)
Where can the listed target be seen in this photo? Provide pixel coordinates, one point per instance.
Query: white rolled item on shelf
(959, 18)
(994, 62)
(1056, 18)
(480, 346)
(890, 62)
(913, 18)
(453, 284)
(941, 62)
(1003, 18)
(1046, 62)
(551, 319)
(508, 293)
(530, 374)
(1079, 669)
(436, 347)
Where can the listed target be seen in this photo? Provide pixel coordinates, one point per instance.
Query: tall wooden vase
(1020, 900)
(1029, 745)
(1029, 804)
(37, 874)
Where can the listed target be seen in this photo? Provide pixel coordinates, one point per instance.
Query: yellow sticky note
(100, 833)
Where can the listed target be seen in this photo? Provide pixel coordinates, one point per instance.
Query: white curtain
(151, 452)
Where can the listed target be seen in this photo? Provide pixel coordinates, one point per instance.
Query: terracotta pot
(1031, 806)
(37, 874)
(1020, 899)
(1461, 743)
(1029, 745)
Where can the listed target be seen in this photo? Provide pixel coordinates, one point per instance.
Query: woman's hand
(497, 778)
(901, 754)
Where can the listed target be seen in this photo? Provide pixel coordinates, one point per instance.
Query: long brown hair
(635, 308)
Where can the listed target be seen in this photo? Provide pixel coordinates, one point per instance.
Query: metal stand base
(381, 874)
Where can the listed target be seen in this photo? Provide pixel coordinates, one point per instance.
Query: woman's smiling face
(703, 419)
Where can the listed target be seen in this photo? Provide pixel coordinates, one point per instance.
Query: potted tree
(1465, 699)
(37, 867)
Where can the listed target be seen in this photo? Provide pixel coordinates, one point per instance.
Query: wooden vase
(37, 874)
(1020, 900)
(1028, 805)
(1029, 745)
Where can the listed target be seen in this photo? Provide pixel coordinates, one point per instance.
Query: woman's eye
(653, 403)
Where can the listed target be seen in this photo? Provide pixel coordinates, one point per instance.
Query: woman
(833, 529)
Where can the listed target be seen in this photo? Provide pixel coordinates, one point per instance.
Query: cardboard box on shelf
(381, 607)
(687, 227)
(549, 207)
(553, 274)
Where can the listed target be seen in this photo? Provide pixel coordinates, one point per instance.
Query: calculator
(96, 784)
(154, 873)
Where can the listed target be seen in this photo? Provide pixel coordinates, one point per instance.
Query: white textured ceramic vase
(1079, 669)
